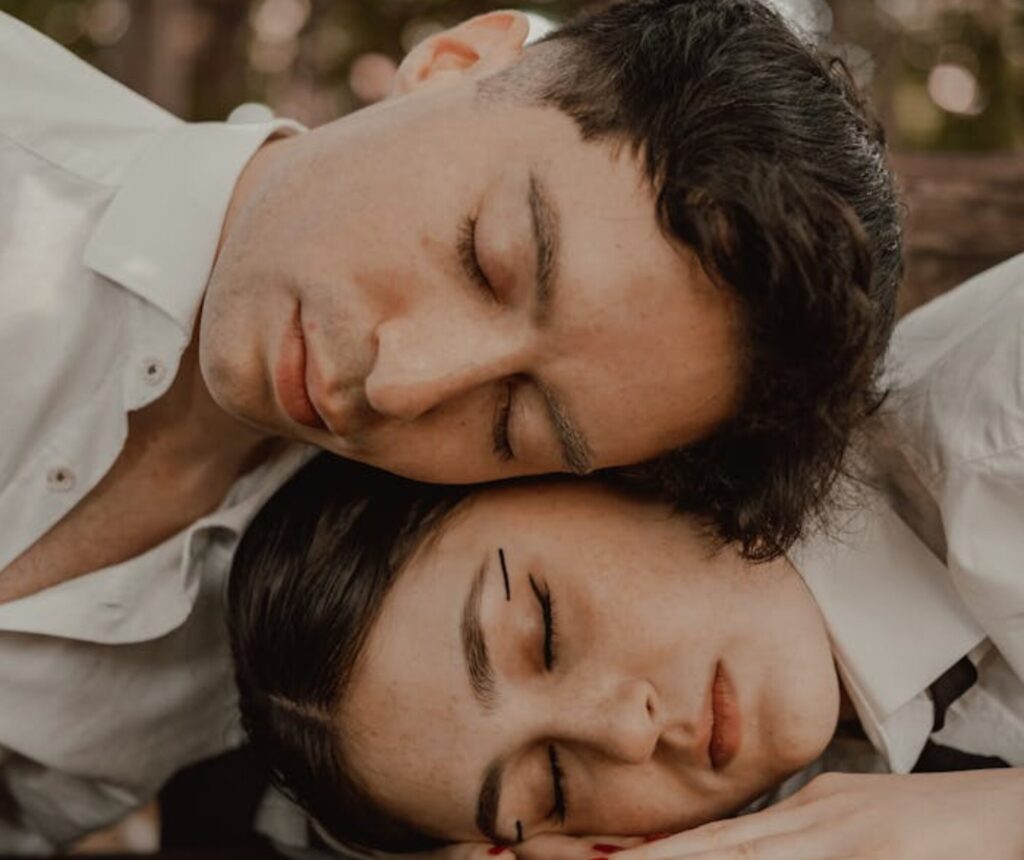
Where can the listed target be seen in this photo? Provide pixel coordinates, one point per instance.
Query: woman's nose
(419, 365)
(620, 722)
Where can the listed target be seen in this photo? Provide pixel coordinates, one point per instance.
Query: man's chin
(253, 416)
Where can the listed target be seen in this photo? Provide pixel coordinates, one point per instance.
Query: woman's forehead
(547, 505)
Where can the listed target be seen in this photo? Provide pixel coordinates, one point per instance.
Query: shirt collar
(895, 620)
(149, 596)
(158, 237)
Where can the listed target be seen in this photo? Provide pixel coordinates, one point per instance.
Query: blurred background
(945, 76)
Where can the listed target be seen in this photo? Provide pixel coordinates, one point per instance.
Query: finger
(459, 851)
(811, 844)
(555, 846)
(605, 846)
(723, 834)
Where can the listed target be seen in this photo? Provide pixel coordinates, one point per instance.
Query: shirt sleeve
(960, 417)
(982, 504)
(44, 810)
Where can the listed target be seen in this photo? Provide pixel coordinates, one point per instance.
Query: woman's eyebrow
(474, 644)
(488, 801)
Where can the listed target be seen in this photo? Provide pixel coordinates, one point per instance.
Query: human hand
(557, 846)
(453, 851)
(943, 816)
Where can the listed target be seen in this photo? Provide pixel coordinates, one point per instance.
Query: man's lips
(726, 726)
(290, 377)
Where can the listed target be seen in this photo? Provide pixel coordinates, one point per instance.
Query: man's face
(461, 289)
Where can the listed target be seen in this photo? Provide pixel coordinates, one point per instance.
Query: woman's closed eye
(547, 611)
(559, 807)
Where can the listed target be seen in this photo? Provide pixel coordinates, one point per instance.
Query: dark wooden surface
(965, 214)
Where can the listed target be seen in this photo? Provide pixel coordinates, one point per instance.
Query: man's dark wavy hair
(767, 163)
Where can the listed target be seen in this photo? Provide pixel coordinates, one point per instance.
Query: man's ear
(475, 48)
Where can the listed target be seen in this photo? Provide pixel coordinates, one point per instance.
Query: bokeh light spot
(372, 76)
(106, 21)
(954, 88)
(279, 21)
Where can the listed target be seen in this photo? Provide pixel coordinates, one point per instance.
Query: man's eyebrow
(547, 242)
(474, 645)
(576, 453)
(488, 800)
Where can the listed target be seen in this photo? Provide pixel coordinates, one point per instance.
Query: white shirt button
(153, 371)
(60, 479)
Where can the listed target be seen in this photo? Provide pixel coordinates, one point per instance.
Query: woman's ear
(475, 48)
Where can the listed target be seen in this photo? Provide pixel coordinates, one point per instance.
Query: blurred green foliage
(944, 74)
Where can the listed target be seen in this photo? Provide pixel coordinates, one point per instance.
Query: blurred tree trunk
(965, 215)
(153, 57)
(219, 82)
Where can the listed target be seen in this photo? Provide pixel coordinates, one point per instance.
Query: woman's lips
(726, 726)
(290, 377)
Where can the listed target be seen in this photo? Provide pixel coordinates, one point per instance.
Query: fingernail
(607, 849)
(654, 837)
(495, 850)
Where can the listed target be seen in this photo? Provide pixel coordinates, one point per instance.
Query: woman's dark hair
(766, 162)
(307, 583)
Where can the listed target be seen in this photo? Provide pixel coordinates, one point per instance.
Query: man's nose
(620, 722)
(421, 364)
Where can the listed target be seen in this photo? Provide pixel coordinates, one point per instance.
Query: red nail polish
(654, 837)
(495, 850)
(598, 858)
(607, 849)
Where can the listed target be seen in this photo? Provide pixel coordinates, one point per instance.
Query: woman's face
(564, 659)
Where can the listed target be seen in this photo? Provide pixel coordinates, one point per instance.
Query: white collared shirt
(931, 566)
(112, 210)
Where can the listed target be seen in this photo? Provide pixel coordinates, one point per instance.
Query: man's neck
(182, 455)
(203, 433)
(248, 185)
